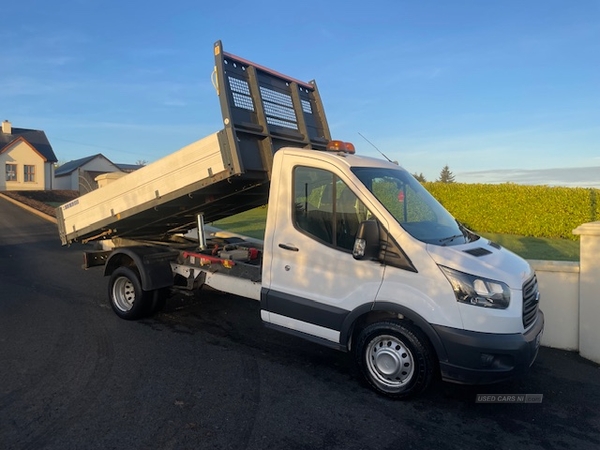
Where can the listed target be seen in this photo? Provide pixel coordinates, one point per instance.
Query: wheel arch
(370, 313)
(152, 263)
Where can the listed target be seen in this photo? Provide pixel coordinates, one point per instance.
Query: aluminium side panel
(145, 190)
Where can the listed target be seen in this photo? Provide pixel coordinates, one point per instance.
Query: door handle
(288, 247)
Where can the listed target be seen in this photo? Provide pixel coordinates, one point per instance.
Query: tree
(141, 162)
(420, 177)
(446, 176)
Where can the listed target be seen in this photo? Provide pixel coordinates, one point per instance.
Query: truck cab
(427, 291)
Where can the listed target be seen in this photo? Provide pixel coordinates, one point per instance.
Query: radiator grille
(531, 301)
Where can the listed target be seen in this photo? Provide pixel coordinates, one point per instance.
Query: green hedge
(537, 211)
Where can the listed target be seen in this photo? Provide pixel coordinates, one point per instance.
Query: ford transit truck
(357, 255)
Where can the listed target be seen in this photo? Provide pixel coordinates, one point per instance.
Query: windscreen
(415, 209)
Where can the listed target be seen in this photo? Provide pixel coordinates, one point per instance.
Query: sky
(500, 91)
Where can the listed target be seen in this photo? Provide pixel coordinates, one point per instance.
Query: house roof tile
(36, 138)
(70, 166)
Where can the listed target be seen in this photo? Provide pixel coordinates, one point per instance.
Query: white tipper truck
(357, 255)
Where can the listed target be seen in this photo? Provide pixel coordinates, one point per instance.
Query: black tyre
(395, 358)
(127, 298)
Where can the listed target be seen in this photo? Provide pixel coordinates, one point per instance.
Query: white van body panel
(500, 265)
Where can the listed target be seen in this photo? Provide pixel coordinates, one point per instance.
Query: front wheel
(127, 298)
(395, 358)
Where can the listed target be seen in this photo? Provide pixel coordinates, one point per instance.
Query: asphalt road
(206, 374)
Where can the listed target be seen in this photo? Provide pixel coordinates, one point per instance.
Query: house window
(29, 174)
(11, 172)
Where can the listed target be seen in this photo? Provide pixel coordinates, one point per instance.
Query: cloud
(23, 85)
(570, 177)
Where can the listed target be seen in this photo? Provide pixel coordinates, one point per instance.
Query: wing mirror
(366, 244)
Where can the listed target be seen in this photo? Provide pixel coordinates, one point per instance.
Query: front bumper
(482, 358)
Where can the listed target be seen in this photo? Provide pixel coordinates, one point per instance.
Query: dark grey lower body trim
(308, 337)
(302, 309)
(482, 358)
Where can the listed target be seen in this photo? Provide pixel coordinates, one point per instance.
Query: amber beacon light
(341, 146)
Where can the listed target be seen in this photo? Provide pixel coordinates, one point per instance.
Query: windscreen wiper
(443, 241)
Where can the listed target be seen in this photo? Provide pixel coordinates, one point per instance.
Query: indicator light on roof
(341, 146)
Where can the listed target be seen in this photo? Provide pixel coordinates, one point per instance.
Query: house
(26, 159)
(80, 174)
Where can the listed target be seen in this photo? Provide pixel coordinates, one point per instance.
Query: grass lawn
(252, 223)
(538, 248)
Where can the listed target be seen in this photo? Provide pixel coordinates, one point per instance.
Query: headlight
(477, 291)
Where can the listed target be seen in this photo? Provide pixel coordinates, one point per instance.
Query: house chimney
(6, 127)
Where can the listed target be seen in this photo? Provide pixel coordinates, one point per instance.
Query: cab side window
(325, 208)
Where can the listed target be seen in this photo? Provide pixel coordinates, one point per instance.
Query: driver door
(313, 281)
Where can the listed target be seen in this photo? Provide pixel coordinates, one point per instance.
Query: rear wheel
(127, 298)
(395, 358)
